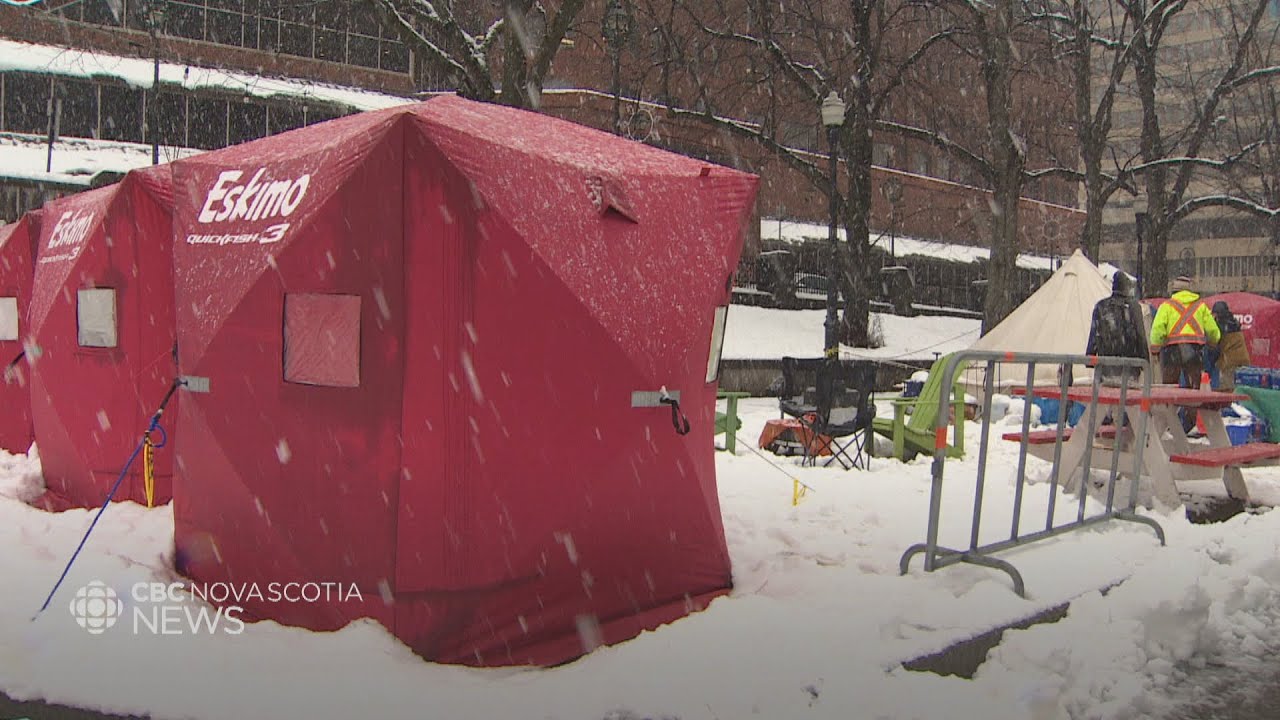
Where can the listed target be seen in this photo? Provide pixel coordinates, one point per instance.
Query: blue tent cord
(155, 424)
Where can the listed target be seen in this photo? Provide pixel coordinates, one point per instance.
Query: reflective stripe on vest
(1187, 328)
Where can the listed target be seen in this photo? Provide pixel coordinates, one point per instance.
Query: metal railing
(936, 556)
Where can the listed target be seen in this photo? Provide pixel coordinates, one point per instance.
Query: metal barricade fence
(936, 556)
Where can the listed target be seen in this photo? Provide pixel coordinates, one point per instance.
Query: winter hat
(1120, 284)
(1182, 282)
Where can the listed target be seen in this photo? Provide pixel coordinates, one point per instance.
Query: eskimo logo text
(258, 200)
(70, 232)
(70, 229)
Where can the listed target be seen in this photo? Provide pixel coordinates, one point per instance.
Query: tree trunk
(1091, 137)
(1007, 162)
(1155, 270)
(857, 281)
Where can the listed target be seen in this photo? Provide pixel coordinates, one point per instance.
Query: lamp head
(833, 110)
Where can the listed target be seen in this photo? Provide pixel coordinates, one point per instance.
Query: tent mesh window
(8, 318)
(322, 339)
(717, 344)
(96, 317)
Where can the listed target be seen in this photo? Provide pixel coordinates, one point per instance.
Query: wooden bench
(1045, 437)
(1230, 459)
(1227, 456)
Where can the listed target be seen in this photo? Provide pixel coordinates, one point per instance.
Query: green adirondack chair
(913, 432)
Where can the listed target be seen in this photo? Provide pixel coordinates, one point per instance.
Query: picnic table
(1168, 455)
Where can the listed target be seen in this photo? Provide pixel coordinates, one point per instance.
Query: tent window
(96, 317)
(717, 344)
(322, 339)
(8, 318)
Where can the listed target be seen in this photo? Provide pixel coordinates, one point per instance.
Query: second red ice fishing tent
(101, 332)
(429, 348)
(17, 255)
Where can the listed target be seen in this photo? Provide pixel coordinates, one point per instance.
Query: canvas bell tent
(101, 330)
(428, 348)
(1054, 319)
(17, 256)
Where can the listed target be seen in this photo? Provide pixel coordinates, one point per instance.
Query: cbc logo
(96, 607)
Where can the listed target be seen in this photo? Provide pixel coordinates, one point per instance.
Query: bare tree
(997, 37)
(1173, 153)
(494, 51)
(757, 70)
(1095, 38)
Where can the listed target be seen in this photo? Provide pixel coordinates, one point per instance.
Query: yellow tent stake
(149, 470)
(797, 491)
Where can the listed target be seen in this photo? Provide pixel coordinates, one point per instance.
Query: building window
(322, 339)
(324, 30)
(96, 317)
(207, 128)
(246, 121)
(26, 103)
(79, 108)
(8, 318)
(281, 118)
(882, 155)
(121, 116)
(919, 162)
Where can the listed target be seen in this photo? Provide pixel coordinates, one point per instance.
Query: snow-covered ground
(817, 625)
(763, 333)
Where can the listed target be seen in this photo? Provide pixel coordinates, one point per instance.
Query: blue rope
(155, 423)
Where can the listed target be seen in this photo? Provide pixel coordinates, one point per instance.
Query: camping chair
(797, 399)
(915, 434)
(846, 407)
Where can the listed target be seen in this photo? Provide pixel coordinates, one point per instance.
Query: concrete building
(1225, 250)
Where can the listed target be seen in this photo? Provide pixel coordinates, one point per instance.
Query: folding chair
(846, 408)
(797, 399)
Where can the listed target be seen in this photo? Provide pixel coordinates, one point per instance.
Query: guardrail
(937, 556)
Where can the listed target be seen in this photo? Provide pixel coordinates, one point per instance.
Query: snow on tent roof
(69, 62)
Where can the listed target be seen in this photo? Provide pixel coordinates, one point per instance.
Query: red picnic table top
(1160, 395)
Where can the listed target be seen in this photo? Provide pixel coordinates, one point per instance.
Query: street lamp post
(617, 27)
(1140, 229)
(833, 118)
(155, 19)
(893, 192)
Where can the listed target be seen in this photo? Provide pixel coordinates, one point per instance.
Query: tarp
(17, 256)
(101, 327)
(422, 331)
(1054, 319)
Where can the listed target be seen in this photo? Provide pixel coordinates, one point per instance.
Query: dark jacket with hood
(1117, 329)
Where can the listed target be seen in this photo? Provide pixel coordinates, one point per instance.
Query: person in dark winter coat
(1232, 351)
(1117, 330)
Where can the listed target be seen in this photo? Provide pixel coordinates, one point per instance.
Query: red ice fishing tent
(17, 257)
(101, 327)
(426, 348)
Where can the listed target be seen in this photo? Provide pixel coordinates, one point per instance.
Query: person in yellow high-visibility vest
(1180, 330)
